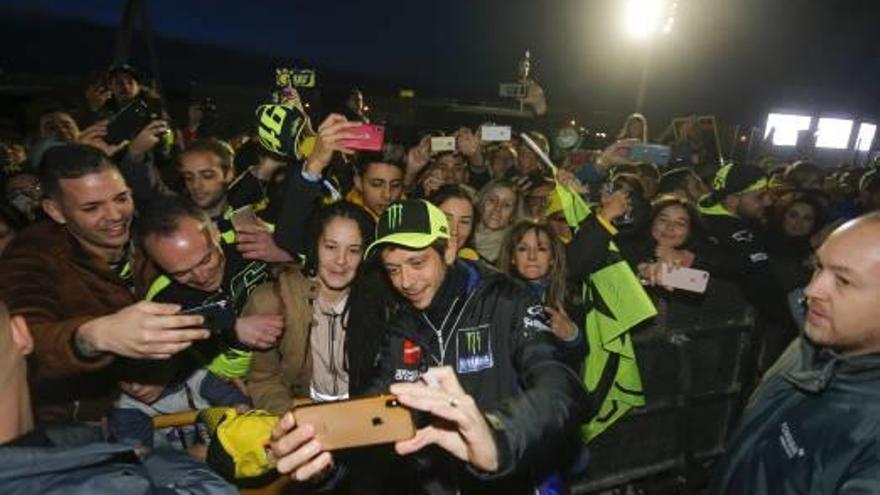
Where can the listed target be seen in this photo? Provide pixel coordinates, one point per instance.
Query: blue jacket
(71, 462)
(813, 426)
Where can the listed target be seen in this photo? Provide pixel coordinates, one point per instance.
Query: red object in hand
(370, 138)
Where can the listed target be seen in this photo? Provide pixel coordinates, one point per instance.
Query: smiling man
(813, 425)
(74, 280)
(477, 356)
(206, 168)
(200, 268)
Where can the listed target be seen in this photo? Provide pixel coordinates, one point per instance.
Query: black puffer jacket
(813, 427)
(496, 339)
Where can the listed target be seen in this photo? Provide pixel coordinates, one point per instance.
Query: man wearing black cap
(475, 352)
(730, 214)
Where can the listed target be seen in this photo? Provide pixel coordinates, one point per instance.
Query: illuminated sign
(865, 136)
(833, 133)
(785, 127)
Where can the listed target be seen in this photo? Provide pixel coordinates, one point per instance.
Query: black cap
(412, 223)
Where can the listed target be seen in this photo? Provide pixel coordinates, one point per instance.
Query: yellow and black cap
(280, 129)
(737, 179)
(412, 223)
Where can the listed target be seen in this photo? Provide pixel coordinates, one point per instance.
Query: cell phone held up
(128, 122)
(442, 144)
(651, 153)
(357, 422)
(369, 138)
(495, 133)
(218, 315)
(689, 279)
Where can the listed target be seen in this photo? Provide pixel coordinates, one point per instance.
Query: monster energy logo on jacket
(474, 349)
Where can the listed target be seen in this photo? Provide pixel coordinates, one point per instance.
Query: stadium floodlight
(644, 18)
(785, 127)
(833, 133)
(865, 136)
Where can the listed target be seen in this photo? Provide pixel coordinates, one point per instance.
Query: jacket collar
(818, 366)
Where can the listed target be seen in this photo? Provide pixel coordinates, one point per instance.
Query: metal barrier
(696, 380)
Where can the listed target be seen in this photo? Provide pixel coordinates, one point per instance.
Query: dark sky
(736, 58)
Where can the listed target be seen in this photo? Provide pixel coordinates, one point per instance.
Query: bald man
(75, 459)
(813, 424)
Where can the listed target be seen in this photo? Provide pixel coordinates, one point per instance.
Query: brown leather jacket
(281, 374)
(47, 277)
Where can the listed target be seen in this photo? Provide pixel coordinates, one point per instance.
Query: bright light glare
(786, 127)
(865, 137)
(644, 17)
(833, 133)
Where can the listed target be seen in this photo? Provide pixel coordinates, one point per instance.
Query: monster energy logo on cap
(394, 216)
(413, 223)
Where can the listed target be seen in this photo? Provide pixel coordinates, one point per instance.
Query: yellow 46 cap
(282, 130)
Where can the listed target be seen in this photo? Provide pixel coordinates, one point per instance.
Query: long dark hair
(340, 209)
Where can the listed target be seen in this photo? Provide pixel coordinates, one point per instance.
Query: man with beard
(74, 280)
(732, 214)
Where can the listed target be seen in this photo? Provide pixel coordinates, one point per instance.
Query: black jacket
(497, 341)
(813, 426)
(741, 255)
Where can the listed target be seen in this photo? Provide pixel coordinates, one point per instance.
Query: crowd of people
(488, 287)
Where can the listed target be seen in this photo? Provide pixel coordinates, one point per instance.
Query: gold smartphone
(358, 422)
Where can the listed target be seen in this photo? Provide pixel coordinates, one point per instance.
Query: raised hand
(145, 330)
(333, 130)
(460, 429)
(255, 242)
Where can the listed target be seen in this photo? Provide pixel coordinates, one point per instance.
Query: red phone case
(371, 138)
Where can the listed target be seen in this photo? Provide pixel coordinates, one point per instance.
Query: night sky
(735, 58)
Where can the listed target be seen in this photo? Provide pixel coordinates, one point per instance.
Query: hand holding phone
(218, 315)
(461, 427)
(244, 216)
(128, 122)
(357, 422)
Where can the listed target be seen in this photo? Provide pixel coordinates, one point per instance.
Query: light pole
(643, 21)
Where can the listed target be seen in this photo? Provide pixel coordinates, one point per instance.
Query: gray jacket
(813, 426)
